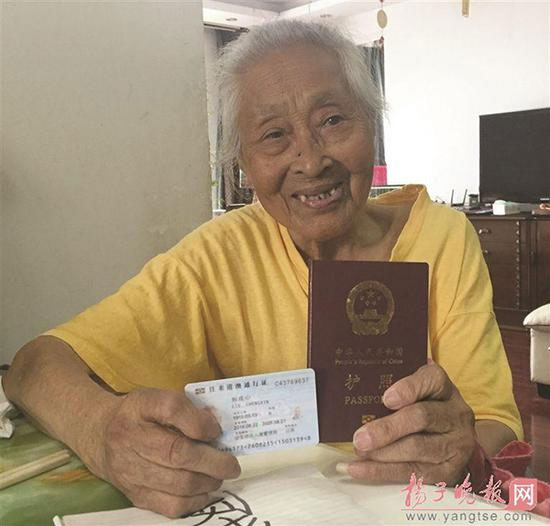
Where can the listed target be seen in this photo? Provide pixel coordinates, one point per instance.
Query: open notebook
(295, 495)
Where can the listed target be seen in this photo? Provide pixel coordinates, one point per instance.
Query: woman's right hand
(154, 447)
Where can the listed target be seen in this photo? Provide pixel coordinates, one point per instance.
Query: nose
(309, 156)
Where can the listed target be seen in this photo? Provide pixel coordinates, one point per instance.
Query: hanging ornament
(381, 16)
(466, 8)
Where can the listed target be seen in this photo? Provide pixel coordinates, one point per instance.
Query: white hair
(240, 54)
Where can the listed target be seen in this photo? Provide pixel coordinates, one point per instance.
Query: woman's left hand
(431, 433)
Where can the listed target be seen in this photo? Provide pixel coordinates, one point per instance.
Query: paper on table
(6, 426)
(295, 495)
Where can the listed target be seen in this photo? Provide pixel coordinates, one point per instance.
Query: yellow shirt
(230, 299)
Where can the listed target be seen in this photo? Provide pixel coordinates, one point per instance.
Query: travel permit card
(264, 412)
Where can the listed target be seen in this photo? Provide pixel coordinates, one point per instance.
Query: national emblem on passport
(368, 328)
(370, 308)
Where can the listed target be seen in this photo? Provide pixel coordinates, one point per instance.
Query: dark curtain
(374, 58)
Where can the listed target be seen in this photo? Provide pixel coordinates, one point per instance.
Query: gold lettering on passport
(365, 419)
(351, 381)
(370, 307)
(346, 356)
(363, 399)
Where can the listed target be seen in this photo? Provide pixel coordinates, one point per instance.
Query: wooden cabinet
(517, 251)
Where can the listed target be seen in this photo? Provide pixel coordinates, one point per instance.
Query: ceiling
(270, 5)
(246, 13)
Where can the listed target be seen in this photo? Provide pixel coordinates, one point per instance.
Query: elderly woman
(231, 298)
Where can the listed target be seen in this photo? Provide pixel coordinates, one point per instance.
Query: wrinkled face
(306, 146)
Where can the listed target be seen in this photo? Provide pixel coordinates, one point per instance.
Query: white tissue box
(504, 208)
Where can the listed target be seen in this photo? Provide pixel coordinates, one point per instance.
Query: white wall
(105, 151)
(444, 70)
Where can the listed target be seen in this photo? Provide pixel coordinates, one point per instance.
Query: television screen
(514, 156)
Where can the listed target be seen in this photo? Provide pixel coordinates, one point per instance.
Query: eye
(333, 120)
(273, 135)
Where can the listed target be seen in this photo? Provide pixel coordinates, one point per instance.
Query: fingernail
(342, 468)
(391, 398)
(362, 440)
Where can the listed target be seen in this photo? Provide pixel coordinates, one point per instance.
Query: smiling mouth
(322, 199)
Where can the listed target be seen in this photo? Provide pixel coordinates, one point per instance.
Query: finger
(174, 450)
(381, 471)
(429, 382)
(174, 409)
(422, 417)
(170, 505)
(177, 482)
(427, 448)
(391, 471)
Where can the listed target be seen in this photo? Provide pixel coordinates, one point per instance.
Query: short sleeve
(469, 345)
(148, 334)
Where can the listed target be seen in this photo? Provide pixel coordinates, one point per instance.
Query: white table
(284, 487)
(385, 503)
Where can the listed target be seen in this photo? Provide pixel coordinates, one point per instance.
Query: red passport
(368, 328)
